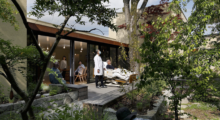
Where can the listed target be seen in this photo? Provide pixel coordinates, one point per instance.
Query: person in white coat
(98, 70)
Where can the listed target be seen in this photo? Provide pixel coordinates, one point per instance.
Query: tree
(164, 60)
(131, 19)
(132, 16)
(94, 10)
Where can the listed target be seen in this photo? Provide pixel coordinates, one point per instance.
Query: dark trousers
(64, 73)
(97, 78)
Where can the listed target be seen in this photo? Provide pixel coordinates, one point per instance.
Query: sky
(118, 4)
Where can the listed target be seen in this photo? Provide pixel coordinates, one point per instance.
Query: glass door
(92, 53)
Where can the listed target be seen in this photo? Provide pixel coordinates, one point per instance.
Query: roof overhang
(41, 26)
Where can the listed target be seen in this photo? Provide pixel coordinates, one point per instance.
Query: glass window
(62, 49)
(122, 63)
(113, 56)
(92, 53)
(105, 53)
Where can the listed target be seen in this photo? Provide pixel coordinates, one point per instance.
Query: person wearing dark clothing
(109, 66)
(53, 79)
(63, 66)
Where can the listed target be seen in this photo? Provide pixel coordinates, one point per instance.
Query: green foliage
(44, 87)
(3, 98)
(178, 57)
(7, 13)
(72, 112)
(142, 97)
(53, 92)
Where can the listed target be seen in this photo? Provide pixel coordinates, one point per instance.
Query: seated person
(53, 79)
(109, 66)
(79, 69)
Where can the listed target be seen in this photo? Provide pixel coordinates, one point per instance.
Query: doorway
(80, 55)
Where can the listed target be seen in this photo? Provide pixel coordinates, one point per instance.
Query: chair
(85, 73)
(80, 76)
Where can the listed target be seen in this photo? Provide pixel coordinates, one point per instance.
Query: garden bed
(139, 105)
(40, 104)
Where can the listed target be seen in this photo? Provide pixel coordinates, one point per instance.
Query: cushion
(104, 64)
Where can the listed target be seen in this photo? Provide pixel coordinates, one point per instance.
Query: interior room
(80, 55)
(63, 49)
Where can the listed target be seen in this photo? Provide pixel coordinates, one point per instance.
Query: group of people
(62, 73)
(98, 70)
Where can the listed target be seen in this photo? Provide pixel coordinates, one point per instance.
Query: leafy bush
(140, 98)
(44, 87)
(3, 98)
(69, 112)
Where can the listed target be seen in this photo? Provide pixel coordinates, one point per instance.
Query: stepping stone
(184, 106)
(184, 101)
(184, 116)
(46, 95)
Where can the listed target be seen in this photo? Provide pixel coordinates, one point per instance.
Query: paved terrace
(93, 91)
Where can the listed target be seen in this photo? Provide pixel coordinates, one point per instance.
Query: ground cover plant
(197, 110)
(64, 112)
(202, 111)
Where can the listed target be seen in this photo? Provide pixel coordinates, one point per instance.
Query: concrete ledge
(39, 104)
(81, 89)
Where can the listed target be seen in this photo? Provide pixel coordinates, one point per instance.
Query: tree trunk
(176, 108)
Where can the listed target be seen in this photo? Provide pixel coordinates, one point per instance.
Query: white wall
(19, 38)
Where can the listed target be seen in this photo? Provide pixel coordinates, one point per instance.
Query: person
(125, 114)
(63, 66)
(80, 68)
(109, 66)
(98, 70)
(53, 79)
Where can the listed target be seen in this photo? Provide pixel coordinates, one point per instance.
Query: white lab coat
(98, 65)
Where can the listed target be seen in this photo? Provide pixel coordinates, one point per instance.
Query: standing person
(63, 66)
(98, 71)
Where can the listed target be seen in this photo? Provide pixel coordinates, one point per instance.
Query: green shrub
(74, 112)
(44, 87)
(53, 92)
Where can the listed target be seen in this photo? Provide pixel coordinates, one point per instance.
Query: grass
(202, 111)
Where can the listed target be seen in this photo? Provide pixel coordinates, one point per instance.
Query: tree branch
(58, 37)
(82, 31)
(28, 28)
(127, 11)
(11, 79)
(3, 75)
(141, 10)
